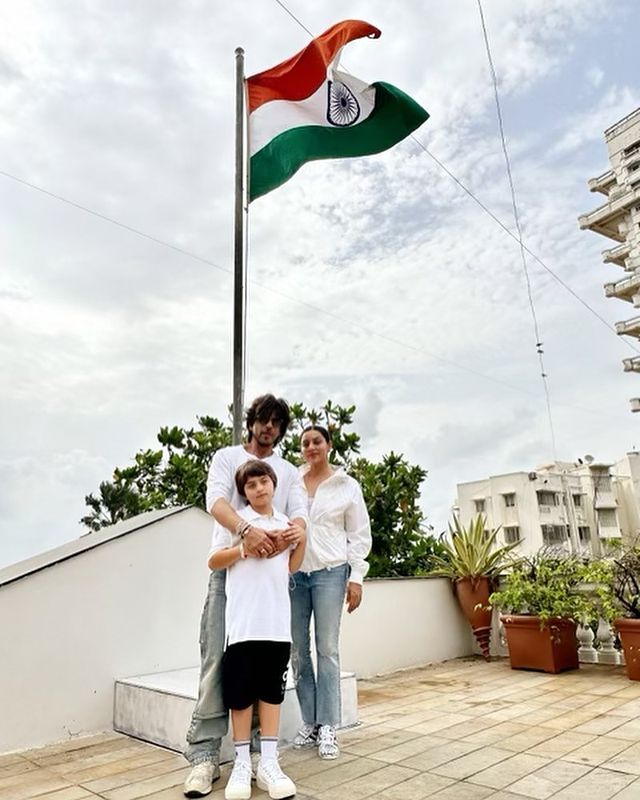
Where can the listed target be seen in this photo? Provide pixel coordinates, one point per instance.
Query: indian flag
(305, 109)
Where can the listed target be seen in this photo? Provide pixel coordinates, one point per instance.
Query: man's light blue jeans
(209, 722)
(321, 593)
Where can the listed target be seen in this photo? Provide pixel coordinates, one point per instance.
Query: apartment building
(581, 507)
(619, 219)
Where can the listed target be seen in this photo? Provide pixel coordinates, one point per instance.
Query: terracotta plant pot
(473, 596)
(553, 648)
(629, 631)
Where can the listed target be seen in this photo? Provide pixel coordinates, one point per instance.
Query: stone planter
(629, 631)
(473, 596)
(551, 648)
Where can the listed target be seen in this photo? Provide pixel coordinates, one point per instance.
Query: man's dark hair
(254, 468)
(264, 408)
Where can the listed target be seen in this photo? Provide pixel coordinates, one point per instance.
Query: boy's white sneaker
(270, 778)
(239, 784)
(200, 780)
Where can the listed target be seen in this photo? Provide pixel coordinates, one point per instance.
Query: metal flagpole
(239, 258)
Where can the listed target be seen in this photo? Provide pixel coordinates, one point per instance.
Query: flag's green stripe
(395, 115)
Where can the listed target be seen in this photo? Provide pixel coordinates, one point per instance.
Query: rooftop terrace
(462, 730)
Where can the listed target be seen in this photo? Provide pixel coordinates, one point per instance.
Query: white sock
(268, 748)
(242, 751)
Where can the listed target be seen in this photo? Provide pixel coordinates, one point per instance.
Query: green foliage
(626, 582)
(176, 474)
(401, 542)
(471, 553)
(557, 585)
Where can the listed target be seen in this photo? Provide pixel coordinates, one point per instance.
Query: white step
(157, 708)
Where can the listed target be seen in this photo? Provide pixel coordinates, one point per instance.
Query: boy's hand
(259, 543)
(354, 596)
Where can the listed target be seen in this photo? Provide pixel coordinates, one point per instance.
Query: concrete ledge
(157, 708)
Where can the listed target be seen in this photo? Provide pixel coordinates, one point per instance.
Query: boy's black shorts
(254, 671)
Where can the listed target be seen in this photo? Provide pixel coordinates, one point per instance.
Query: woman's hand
(354, 596)
(258, 543)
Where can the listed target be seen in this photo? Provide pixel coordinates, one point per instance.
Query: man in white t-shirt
(267, 421)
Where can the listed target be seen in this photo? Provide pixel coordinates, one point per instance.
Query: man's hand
(259, 543)
(354, 596)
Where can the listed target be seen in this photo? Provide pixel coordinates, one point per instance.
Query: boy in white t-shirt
(258, 626)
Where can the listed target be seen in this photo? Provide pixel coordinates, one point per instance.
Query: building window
(554, 534)
(509, 499)
(511, 534)
(584, 533)
(607, 518)
(547, 499)
(577, 500)
(479, 506)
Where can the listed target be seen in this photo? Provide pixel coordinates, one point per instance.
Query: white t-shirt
(258, 606)
(289, 497)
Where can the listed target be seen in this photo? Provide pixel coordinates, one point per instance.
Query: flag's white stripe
(271, 119)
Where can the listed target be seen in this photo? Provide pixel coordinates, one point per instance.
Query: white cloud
(127, 109)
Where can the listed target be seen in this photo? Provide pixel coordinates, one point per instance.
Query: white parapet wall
(127, 601)
(404, 622)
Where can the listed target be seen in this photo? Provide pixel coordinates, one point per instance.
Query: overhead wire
(277, 292)
(516, 217)
(296, 300)
(491, 214)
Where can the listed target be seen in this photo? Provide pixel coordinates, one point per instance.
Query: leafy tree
(176, 474)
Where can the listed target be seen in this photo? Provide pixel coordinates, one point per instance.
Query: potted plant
(542, 599)
(626, 588)
(472, 561)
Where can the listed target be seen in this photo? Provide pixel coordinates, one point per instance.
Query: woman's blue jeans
(322, 594)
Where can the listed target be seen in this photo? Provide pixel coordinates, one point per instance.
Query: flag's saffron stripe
(302, 74)
(395, 116)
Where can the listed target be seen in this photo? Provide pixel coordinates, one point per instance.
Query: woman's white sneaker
(239, 784)
(270, 778)
(307, 736)
(327, 745)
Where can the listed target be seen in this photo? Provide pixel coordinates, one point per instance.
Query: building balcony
(622, 125)
(625, 289)
(631, 364)
(603, 183)
(606, 219)
(616, 255)
(630, 327)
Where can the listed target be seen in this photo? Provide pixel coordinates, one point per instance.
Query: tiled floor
(457, 731)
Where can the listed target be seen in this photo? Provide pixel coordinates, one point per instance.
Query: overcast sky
(376, 281)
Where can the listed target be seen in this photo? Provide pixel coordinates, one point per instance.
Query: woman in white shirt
(334, 566)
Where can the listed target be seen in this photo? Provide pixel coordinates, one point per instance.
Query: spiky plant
(471, 552)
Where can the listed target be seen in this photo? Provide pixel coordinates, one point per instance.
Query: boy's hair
(253, 468)
(265, 407)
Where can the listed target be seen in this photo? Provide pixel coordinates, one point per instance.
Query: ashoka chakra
(342, 106)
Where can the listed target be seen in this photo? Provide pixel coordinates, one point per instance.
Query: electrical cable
(493, 216)
(278, 293)
(516, 217)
